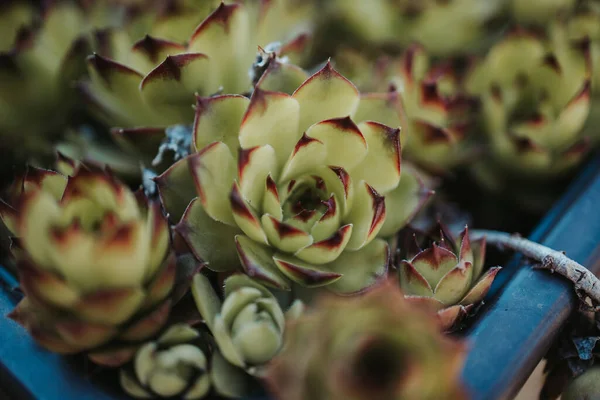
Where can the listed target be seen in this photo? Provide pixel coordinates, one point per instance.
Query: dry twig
(587, 285)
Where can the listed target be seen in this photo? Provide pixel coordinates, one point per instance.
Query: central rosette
(291, 189)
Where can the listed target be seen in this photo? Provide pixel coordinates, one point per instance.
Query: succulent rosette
(248, 326)
(438, 113)
(448, 277)
(291, 189)
(152, 83)
(442, 27)
(175, 364)
(375, 346)
(94, 263)
(535, 98)
(44, 58)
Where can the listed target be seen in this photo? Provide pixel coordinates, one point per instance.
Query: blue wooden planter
(514, 329)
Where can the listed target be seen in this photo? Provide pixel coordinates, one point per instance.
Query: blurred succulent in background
(289, 203)
(175, 364)
(535, 98)
(94, 263)
(448, 277)
(436, 113)
(374, 346)
(153, 82)
(442, 27)
(37, 64)
(142, 88)
(585, 24)
(248, 328)
(540, 12)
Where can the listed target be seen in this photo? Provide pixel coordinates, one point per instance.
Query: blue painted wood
(516, 329)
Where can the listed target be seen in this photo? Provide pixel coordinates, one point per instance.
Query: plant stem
(585, 282)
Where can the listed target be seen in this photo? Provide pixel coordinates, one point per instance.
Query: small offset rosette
(175, 364)
(248, 326)
(448, 278)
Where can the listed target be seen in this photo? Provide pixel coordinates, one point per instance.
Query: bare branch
(585, 282)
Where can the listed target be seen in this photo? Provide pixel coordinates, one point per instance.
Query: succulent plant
(152, 83)
(442, 27)
(248, 326)
(94, 263)
(276, 194)
(437, 113)
(448, 277)
(585, 24)
(585, 386)
(540, 12)
(175, 364)
(374, 346)
(535, 98)
(33, 60)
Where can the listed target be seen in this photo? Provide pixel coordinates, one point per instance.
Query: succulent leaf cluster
(94, 262)
(172, 365)
(275, 194)
(447, 277)
(535, 98)
(372, 346)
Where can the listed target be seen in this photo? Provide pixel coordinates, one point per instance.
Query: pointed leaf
(281, 77)
(111, 306)
(271, 118)
(339, 182)
(206, 299)
(176, 189)
(257, 262)
(227, 379)
(246, 218)
(453, 286)
(170, 87)
(209, 240)
(434, 262)
(283, 236)
(367, 215)
(385, 108)
(308, 155)
(271, 203)
(381, 167)
(214, 171)
(305, 274)
(149, 325)
(148, 52)
(360, 269)
(336, 134)
(451, 316)
(254, 165)
(412, 282)
(480, 289)
(223, 37)
(326, 251)
(218, 119)
(326, 226)
(325, 95)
